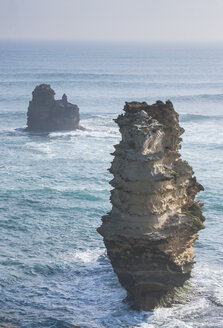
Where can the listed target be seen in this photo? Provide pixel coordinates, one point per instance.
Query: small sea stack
(150, 231)
(47, 114)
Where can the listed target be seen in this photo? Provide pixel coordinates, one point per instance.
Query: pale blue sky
(112, 20)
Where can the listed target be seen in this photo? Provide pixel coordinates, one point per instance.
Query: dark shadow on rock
(45, 114)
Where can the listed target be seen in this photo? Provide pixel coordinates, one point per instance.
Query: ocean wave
(69, 264)
(89, 133)
(199, 97)
(40, 148)
(197, 117)
(102, 132)
(13, 132)
(22, 132)
(88, 256)
(49, 323)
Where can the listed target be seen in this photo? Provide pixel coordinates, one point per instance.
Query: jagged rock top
(47, 114)
(160, 111)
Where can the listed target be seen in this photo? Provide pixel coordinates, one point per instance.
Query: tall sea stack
(150, 231)
(47, 114)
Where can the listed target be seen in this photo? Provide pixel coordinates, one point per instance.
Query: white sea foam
(13, 132)
(35, 146)
(92, 129)
(88, 256)
(41, 150)
(179, 316)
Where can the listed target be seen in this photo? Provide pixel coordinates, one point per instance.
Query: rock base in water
(47, 114)
(150, 232)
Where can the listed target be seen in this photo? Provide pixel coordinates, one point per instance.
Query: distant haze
(112, 20)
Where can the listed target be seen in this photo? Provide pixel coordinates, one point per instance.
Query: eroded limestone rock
(150, 232)
(47, 114)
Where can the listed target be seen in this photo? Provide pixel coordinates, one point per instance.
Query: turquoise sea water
(54, 188)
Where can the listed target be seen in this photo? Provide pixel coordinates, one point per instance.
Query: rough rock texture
(47, 114)
(150, 232)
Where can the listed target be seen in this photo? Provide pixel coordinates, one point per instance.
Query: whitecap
(88, 256)
(40, 150)
(88, 133)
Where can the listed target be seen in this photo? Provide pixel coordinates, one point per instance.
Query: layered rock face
(47, 114)
(150, 232)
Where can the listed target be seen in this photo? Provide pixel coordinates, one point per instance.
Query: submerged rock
(150, 232)
(47, 114)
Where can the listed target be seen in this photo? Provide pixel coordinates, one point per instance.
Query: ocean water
(54, 188)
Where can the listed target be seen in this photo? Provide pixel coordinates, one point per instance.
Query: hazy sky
(129, 20)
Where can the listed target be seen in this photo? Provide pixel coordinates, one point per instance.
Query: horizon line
(110, 41)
